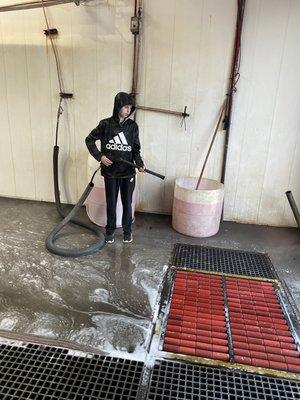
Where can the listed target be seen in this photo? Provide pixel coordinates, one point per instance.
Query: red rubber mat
(196, 322)
(260, 333)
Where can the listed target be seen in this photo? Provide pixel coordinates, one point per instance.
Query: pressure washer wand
(145, 170)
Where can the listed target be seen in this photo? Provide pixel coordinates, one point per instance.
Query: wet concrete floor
(106, 301)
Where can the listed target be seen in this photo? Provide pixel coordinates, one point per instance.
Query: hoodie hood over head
(118, 140)
(123, 99)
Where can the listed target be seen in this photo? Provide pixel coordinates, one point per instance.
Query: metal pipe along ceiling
(36, 4)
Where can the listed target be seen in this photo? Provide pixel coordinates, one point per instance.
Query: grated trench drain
(172, 380)
(213, 259)
(44, 373)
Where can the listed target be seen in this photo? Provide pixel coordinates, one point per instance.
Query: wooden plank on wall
(60, 17)
(185, 61)
(271, 37)
(284, 127)
(39, 103)
(240, 109)
(293, 183)
(124, 12)
(109, 53)
(7, 176)
(15, 65)
(84, 33)
(215, 51)
(158, 41)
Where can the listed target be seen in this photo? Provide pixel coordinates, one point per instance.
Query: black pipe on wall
(294, 207)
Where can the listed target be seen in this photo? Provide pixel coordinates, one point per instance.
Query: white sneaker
(109, 238)
(127, 238)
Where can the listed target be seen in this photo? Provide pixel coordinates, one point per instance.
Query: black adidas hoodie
(117, 140)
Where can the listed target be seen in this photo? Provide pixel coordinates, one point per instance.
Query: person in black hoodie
(119, 136)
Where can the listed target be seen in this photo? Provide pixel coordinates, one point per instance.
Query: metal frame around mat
(284, 302)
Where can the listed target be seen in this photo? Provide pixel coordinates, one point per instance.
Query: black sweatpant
(112, 187)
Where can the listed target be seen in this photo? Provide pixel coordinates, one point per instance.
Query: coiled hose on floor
(70, 217)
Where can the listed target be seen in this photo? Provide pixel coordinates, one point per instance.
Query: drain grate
(228, 261)
(44, 373)
(172, 380)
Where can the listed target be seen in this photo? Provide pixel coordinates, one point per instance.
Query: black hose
(50, 245)
(145, 170)
(70, 217)
(294, 207)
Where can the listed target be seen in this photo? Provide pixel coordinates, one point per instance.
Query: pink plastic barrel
(197, 213)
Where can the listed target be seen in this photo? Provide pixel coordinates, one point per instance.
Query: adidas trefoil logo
(118, 142)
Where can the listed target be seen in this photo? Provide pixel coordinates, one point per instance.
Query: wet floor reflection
(105, 301)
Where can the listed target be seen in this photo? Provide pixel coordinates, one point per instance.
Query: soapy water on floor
(105, 302)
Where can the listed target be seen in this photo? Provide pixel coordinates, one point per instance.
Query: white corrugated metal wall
(185, 60)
